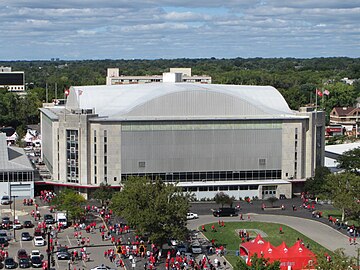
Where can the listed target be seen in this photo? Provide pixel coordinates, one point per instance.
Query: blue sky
(150, 29)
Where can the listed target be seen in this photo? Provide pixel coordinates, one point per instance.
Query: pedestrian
(280, 230)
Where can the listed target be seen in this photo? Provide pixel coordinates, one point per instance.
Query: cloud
(172, 28)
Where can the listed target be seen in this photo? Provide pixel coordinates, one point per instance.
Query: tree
(344, 189)
(272, 200)
(222, 198)
(338, 261)
(104, 193)
(350, 160)
(153, 208)
(315, 185)
(70, 201)
(257, 263)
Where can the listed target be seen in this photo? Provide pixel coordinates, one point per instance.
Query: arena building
(207, 138)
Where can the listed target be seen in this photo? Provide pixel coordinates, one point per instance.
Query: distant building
(10, 133)
(348, 81)
(16, 171)
(206, 138)
(333, 152)
(13, 81)
(183, 75)
(348, 117)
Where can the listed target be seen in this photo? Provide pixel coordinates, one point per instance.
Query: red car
(22, 254)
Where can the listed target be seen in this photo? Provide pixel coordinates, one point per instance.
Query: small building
(184, 75)
(348, 117)
(16, 171)
(10, 133)
(333, 152)
(13, 81)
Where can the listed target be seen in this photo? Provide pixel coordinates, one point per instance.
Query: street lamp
(13, 199)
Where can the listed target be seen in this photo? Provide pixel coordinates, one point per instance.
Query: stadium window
(244, 187)
(233, 188)
(203, 188)
(253, 187)
(223, 188)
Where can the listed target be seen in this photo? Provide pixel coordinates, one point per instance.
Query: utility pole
(47, 94)
(13, 199)
(48, 248)
(14, 219)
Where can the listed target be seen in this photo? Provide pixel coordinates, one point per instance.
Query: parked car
(102, 267)
(6, 223)
(39, 241)
(17, 225)
(196, 248)
(28, 224)
(24, 263)
(36, 261)
(22, 254)
(225, 212)
(49, 219)
(36, 253)
(38, 232)
(191, 216)
(4, 241)
(10, 263)
(5, 235)
(63, 254)
(5, 200)
(182, 248)
(26, 236)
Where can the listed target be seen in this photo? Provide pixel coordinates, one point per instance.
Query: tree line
(296, 79)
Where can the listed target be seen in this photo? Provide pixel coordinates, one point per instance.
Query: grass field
(228, 237)
(337, 214)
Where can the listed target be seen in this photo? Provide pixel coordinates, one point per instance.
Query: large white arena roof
(179, 100)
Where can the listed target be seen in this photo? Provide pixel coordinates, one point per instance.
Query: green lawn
(337, 214)
(228, 237)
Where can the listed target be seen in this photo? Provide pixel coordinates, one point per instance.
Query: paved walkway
(317, 231)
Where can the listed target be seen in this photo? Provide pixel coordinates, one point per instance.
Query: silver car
(196, 248)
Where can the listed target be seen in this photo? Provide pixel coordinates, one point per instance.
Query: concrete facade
(209, 139)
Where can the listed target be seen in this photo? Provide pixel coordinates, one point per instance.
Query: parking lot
(65, 238)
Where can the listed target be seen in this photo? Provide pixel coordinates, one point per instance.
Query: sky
(153, 29)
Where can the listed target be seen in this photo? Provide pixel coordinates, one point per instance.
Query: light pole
(13, 199)
(48, 247)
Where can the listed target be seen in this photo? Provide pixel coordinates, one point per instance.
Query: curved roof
(178, 100)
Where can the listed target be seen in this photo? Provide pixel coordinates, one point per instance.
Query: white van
(61, 219)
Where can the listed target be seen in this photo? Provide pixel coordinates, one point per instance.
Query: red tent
(297, 257)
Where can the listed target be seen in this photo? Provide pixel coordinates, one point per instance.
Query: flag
(319, 93)
(326, 92)
(80, 92)
(67, 92)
